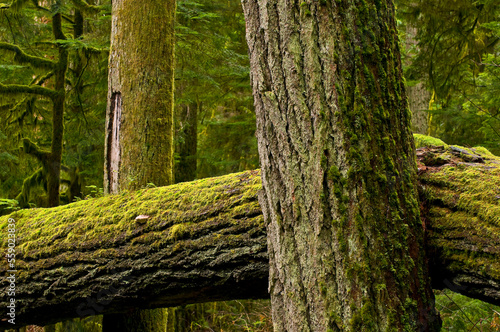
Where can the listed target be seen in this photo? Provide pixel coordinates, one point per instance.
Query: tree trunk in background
(418, 100)
(139, 118)
(185, 169)
(418, 95)
(179, 318)
(345, 240)
(55, 156)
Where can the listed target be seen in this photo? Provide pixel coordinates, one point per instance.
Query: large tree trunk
(338, 168)
(139, 118)
(206, 241)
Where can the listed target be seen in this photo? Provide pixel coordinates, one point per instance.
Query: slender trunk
(188, 142)
(139, 118)
(55, 156)
(179, 318)
(338, 168)
(418, 95)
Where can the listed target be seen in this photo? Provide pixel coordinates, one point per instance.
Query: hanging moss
(24, 58)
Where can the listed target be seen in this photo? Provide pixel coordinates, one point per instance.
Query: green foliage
(26, 29)
(456, 55)
(460, 313)
(212, 73)
(237, 316)
(88, 324)
(7, 206)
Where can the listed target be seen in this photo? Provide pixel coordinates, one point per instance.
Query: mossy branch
(30, 89)
(39, 177)
(41, 80)
(24, 58)
(31, 148)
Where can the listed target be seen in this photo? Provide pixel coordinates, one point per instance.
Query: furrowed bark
(340, 192)
(206, 241)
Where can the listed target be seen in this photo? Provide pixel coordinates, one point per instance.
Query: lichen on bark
(338, 168)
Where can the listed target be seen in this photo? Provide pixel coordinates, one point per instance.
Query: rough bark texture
(139, 143)
(338, 168)
(206, 240)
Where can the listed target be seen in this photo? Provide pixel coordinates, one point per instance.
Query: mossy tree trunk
(55, 156)
(345, 240)
(139, 117)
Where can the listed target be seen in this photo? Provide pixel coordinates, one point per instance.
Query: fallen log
(206, 241)
(460, 192)
(158, 247)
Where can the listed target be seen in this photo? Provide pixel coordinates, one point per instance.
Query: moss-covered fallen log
(205, 240)
(461, 202)
(158, 247)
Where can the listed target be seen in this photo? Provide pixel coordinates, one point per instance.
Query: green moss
(423, 140)
(466, 210)
(109, 221)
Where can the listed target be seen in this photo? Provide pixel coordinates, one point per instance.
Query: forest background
(451, 51)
